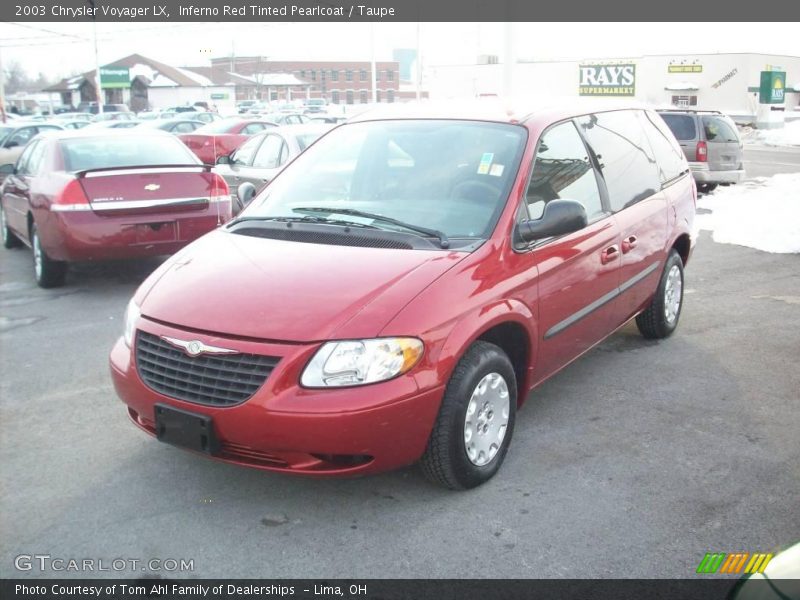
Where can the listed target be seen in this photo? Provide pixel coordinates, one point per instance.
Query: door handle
(628, 244)
(609, 254)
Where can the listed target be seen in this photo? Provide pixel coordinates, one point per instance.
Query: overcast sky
(60, 49)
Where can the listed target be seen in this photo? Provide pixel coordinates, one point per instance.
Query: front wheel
(660, 318)
(473, 429)
(49, 273)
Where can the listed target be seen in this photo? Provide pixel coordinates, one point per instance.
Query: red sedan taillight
(702, 152)
(72, 197)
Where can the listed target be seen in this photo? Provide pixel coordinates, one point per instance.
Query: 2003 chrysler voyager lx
(397, 291)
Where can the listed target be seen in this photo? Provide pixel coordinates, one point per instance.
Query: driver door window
(270, 153)
(244, 155)
(21, 137)
(562, 170)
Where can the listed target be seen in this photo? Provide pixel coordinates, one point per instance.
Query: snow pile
(763, 213)
(788, 135)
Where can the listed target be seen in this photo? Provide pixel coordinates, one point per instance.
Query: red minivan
(397, 291)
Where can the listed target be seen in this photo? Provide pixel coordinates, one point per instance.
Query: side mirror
(223, 160)
(6, 169)
(560, 217)
(245, 193)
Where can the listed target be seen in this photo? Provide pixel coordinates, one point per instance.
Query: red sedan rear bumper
(84, 235)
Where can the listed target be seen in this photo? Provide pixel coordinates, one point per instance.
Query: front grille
(213, 380)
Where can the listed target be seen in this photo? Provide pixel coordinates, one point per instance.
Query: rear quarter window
(671, 161)
(627, 161)
(682, 126)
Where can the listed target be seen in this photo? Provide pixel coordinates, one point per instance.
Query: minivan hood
(289, 291)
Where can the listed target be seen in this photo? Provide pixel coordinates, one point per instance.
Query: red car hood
(289, 291)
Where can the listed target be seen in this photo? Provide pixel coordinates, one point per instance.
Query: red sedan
(220, 138)
(86, 195)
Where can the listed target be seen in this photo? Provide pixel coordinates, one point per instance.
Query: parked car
(328, 119)
(73, 124)
(395, 293)
(175, 126)
(245, 105)
(98, 195)
(260, 159)
(222, 137)
(91, 108)
(206, 117)
(14, 136)
(114, 124)
(73, 116)
(115, 116)
(315, 105)
(711, 143)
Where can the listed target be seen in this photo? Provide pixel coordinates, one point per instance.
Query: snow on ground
(788, 135)
(763, 213)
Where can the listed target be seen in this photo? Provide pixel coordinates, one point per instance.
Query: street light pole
(99, 93)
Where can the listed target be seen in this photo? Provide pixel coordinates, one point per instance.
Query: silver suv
(711, 143)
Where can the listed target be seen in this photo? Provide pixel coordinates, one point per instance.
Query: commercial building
(726, 82)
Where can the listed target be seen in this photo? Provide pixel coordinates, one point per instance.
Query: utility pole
(372, 64)
(2, 90)
(99, 93)
(419, 63)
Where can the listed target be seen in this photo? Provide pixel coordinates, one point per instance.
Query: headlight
(361, 361)
(132, 314)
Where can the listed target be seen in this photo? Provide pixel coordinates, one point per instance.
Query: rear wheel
(705, 188)
(49, 273)
(473, 429)
(661, 316)
(9, 239)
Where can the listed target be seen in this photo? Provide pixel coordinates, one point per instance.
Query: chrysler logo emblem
(196, 347)
(152, 187)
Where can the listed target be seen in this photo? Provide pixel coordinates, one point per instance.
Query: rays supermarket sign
(607, 80)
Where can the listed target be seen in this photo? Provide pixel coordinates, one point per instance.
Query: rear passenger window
(625, 156)
(671, 162)
(682, 126)
(562, 170)
(718, 129)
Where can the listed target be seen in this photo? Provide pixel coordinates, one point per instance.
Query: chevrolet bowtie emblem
(152, 187)
(196, 347)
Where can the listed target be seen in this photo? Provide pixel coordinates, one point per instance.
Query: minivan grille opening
(212, 380)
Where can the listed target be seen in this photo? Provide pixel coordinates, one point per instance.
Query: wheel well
(30, 223)
(682, 246)
(513, 340)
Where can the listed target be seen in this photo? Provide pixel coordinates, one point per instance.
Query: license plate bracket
(185, 429)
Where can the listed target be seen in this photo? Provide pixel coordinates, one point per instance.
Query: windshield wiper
(444, 242)
(304, 219)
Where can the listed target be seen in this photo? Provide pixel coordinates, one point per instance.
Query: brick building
(339, 82)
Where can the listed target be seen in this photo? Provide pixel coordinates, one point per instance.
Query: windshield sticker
(486, 162)
(496, 170)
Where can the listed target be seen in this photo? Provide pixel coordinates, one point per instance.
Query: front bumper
(703, 174)
(286, 428)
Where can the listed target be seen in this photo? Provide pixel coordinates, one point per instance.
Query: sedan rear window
(126, 150)
(682, 126)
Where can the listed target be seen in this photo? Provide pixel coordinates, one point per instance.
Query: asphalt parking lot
(633, 462)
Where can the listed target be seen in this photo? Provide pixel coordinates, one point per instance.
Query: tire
(10, 240)
(49, 273)
(661, 316)
(705, 188)
(446, 460)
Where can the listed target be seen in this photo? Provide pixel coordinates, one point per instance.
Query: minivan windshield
(449, 176)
